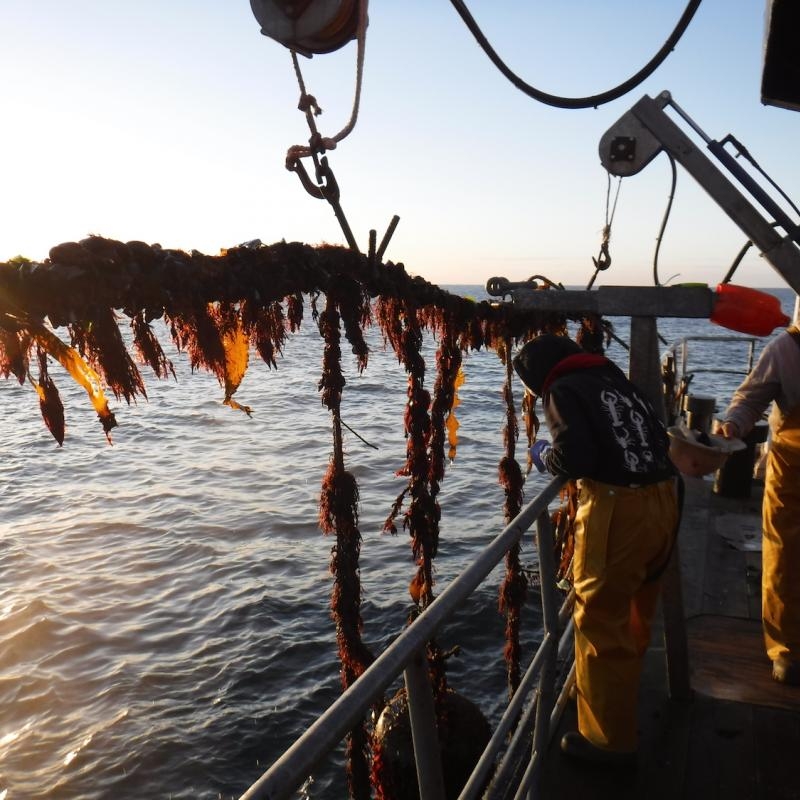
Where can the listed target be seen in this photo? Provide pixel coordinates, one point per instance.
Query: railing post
(422, 714)
(646, 374)
(546, 691)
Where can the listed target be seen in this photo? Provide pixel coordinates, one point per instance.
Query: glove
(539, 451)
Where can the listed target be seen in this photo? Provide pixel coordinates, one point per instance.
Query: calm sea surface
(164, 622)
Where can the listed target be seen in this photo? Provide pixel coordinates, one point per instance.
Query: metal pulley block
(308, 26)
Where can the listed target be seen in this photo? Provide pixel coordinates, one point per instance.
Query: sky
(169, 122)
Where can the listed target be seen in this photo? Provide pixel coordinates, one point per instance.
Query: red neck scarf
(571, 364)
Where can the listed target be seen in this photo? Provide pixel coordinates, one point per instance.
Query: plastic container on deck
(747, 310)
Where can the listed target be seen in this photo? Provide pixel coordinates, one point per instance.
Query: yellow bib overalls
(780, 578)
(622, 535)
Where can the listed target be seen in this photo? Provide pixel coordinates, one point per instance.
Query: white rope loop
(308, 103)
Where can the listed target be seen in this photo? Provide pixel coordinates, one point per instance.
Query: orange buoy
(747, 310)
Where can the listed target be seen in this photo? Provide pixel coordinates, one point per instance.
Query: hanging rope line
(514, 588)
(592, 101)
(309, 106)
(326, 187)
(603, 260)
(346, 303)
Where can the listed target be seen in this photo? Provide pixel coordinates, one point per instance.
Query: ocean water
(164, 604)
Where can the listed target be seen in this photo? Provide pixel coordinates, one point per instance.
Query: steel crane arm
(641, 133)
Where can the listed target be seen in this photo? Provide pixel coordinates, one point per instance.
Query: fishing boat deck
(738, 735)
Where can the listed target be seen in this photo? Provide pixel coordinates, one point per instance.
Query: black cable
(739, 256)
(745, 153)
(578, 102)
(736, 261)
(665, 218)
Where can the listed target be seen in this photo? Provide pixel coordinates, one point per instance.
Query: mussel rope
(514, 587)
(339, 515)
(592, 101)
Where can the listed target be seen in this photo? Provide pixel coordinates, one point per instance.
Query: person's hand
(730, 430)
(538, 451)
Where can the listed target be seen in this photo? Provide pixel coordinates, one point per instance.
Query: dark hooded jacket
(601, 425)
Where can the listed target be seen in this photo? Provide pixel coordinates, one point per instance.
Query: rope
(610, 219)
(579, 102)
(309, 106)
(603, 260)
(361, 48)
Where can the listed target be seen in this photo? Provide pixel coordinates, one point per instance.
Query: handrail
(294, 766)
(677, 377)
(512, 714)
(683, 344)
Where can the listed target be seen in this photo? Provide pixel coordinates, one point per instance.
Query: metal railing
(682, 346)
(677, 377)
(511, 767)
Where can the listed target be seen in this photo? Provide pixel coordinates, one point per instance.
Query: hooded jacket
(602, 427)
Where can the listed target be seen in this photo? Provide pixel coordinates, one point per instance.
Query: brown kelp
(514, 586)
(215, 310)
(338, 513)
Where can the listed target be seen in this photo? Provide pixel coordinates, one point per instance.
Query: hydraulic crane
(646, 130)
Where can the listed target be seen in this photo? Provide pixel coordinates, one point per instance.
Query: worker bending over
(605, 433)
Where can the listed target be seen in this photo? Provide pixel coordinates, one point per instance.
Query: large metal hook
(603, 260)
(327, 190)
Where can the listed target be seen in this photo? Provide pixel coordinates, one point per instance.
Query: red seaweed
(514, 587)
(50, 401)
(216, 306)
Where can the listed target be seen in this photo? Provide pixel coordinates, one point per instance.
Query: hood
(539, 356)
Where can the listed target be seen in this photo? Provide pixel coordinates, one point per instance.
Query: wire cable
(739, 256)
(664, 219)
(745, 153)
(736, 261)
(578, 102)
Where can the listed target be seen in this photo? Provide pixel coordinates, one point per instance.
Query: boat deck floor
(738, 733)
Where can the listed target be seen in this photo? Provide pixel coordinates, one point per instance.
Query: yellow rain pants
(780, 577)
(622, 536)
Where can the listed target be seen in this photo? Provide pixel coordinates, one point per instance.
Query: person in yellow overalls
(605, 433)
(776, 379)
